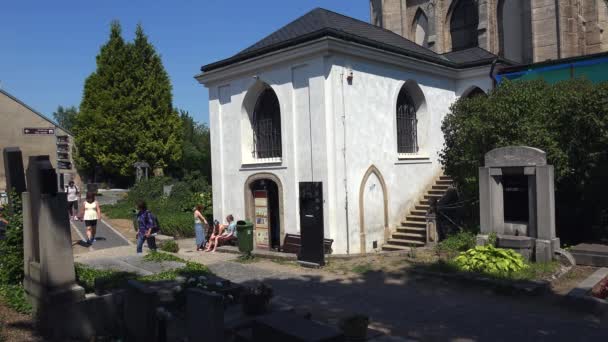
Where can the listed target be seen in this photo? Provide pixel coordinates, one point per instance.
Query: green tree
(66, 117)
(196, 148)
(126, 112)
(11, 246)
(568, 120)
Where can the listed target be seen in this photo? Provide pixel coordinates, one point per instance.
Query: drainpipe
(492, 73)
(558, 29)
(345, 168)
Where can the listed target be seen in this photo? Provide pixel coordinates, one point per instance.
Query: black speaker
(311, 223)
(13, 170)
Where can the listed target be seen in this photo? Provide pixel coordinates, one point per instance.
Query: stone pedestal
(204, 316)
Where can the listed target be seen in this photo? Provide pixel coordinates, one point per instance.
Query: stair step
(417, 230)
(444, 182)
(440, 187)
(422, 207)
(445, 178)
(418, 218)
(436, 192)
(405, 242)
(425, 202)
(405, 236)
(387, 247)
(434, 195)
(413, 224)
(418, 212)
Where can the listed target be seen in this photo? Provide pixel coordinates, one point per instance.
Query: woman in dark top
(145, 223)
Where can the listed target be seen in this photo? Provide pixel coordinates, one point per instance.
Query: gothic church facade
(522, 31)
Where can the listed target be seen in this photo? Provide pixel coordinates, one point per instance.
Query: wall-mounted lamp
(349, 76)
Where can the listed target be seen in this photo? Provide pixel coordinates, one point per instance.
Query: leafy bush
(11, 247)
(148, 189)
(160, 257)
(89, 278)
(170, 246)
(14, 296)
(567, 120)
(459, 242)
(491, 260)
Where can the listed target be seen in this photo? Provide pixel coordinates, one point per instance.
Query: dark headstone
(311, 223)
(13, 169)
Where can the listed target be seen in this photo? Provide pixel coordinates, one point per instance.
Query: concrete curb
(291, 256)
(580, 299)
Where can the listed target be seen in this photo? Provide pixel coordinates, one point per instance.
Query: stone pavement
(106, 236)
(405, 305)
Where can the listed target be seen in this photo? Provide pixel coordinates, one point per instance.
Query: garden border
(580, 299)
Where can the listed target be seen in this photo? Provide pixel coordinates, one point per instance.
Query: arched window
(266, 124)
(407, 123)
(515, 31)
(463, 25)
(421, 28)
(474, 92)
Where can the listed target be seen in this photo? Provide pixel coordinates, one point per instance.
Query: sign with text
(261, 219)
(38, 131)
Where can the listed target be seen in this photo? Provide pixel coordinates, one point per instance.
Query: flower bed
(600, 290)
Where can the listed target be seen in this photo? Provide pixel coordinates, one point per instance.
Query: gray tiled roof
(321, 22)
(469, 55)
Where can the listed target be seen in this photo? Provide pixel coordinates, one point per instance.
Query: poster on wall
(261, 218)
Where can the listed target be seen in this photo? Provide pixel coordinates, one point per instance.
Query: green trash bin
(244, 233)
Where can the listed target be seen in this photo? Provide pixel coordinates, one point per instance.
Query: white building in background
(335, 100)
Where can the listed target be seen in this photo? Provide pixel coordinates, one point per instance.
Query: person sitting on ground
(227, 233)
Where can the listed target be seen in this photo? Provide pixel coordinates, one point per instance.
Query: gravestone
(204, 316)
(13, 170)
(517, 201)
(49, 276)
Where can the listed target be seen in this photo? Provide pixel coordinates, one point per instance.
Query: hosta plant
(490, 260)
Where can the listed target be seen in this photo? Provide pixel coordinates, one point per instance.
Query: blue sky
(48, 48)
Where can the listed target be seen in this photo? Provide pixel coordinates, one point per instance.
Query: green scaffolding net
(594, 69)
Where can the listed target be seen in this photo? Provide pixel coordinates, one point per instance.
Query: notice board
(262, 223)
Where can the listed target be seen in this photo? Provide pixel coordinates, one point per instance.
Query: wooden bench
(293, 243)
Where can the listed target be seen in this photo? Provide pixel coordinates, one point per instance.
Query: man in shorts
(73, 196)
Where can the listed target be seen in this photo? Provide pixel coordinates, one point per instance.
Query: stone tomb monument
(517, 201)
(49, 279)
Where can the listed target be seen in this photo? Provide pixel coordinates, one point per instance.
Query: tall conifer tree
(126, 112)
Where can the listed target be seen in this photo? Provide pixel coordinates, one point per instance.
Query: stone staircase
(412, 231)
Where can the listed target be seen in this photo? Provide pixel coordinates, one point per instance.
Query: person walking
(199, 229)
(73, 194)
(146, 224)
(91, 212)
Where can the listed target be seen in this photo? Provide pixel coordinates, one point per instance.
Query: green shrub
(148, 190)
(11, 247)
(491, 260)
(567, 120)
(14, 296)
(191, 270)
(170, 246)
(89, 277)
(459, 242)
(160, 257)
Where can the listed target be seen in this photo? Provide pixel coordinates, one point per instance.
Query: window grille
(267, 126)
(407, 124)
(463, 25)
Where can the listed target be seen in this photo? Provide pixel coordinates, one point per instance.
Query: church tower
(522, 31)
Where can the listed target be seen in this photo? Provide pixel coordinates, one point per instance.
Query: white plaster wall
(370, 104)
(299, 87)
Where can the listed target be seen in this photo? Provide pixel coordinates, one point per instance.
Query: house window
(407, 124)
(267, 126)
(463, 25)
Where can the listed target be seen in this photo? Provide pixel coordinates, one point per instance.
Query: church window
(421, 28)
(463, 25)
(407, 122)
(266, 126)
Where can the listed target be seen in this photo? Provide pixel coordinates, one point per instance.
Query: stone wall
(582, 25)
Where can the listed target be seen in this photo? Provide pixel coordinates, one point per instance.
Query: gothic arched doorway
(264, 207)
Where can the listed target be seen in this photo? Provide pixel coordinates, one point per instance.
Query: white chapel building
(335, 100)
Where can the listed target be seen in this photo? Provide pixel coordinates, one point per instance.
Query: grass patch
(14, 296)
(191, 270)
(160, 257)
(362, 268)
(87, 277)
(246, 259)
(456, 243)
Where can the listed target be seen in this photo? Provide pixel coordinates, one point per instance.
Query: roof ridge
(376, 27)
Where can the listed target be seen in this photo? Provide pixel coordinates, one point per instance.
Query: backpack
(156, 227)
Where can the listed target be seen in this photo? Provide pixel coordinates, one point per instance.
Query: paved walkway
(406, 305)
(106, 236)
